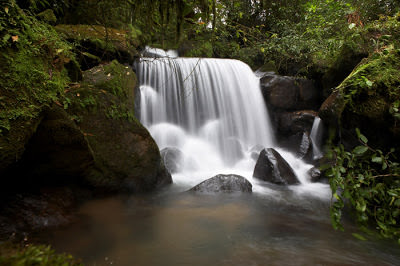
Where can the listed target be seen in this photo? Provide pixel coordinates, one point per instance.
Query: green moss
(47, 16)
(113, 78)
(106, 88)
(374, 85)
(200, 49)
(34, 255)
(32, 58)
(96, 43)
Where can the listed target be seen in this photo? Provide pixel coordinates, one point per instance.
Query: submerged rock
(173, 159)
(224, 183)
(273, 168)
(315, 174)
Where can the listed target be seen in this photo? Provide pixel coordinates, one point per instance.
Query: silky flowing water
(212, 110)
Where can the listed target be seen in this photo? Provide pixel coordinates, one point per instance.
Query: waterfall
(212, 111)
(316, 138)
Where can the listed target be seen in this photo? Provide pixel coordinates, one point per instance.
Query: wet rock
(173, 159)
(98, 44)
(28, 212)
(289, 93)
(255, 151)
(305, 147)
(290, 123)
(224, 183)
(332, 108)
(315, 174)
(273, 168)
(127, 157)
(300, 144)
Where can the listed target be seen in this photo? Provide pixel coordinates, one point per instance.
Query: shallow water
(178, 228)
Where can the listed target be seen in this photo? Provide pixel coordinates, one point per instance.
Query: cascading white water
(316, 138)
(210, 109)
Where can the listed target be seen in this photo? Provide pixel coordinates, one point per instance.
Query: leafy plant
(35, 255)
(368, 180)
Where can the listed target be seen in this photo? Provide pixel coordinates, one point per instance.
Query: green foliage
(373, 88)
(34, 255)
(31, 62)
(369, 180)
(120, 112)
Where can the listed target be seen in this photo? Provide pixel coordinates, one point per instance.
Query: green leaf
(359, 237)
(377, 159)
(363, 138)
(360, 150)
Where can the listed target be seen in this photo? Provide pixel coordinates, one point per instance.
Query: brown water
(173, 228)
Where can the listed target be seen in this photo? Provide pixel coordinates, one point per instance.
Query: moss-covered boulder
(369, 98)
(126, 156)
(32, 59)
(97, 44)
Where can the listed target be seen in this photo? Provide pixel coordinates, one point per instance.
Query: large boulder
(224, 183)
(126, 156)
(173, 159)
(273, 168)
(289, 93)
(57, 154)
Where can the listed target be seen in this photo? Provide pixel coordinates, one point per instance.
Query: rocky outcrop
(348, 58)
(126, 156)
(97, 44)
(224, 183)
(332, 108)
(291, 102)
(289, 93)
(291, 123)
(273, 168)
(173, 159)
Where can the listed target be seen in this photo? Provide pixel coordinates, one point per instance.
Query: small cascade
(316, 138)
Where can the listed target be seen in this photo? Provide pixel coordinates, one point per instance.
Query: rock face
(294, 122)
(332, 108)
(172, 158)
(224, 183)
(289, 93)
(103, 146)
(126, 156)
(57, 153)
(273, 168)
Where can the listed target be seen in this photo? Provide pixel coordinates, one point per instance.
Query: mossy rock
(47, 16)
(32, 59)
(97, 43)
(126, 156)
(369, 98)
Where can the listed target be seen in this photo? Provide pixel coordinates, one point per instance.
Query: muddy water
(175, 228)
